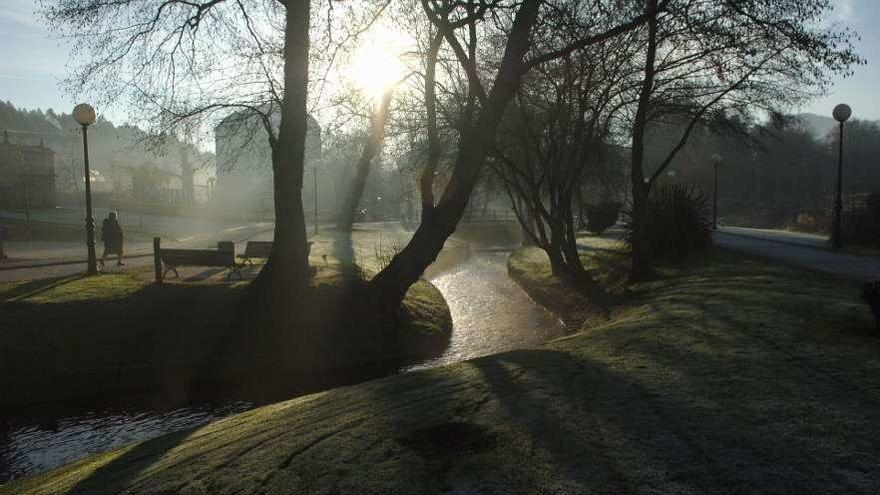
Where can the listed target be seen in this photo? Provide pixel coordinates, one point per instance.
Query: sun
(375, 68)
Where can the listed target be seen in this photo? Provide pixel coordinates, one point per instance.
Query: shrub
(385, 252)
(809, 220)
(872, 202)
(861, 225)
(871, 296)
(677, 223)
(603, 216)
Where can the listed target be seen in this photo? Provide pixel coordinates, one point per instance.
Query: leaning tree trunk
(391, 284)
(371, 149)
(639, 251)
(640, 256)
(286, 272)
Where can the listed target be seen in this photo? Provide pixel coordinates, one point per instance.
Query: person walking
(111, 234)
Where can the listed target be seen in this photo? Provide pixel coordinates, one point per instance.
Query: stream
(490, 314)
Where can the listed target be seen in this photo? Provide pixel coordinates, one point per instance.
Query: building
(27, 175)
(244, 160)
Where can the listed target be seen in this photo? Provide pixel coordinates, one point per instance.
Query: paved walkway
(807, 250)
(69, 263)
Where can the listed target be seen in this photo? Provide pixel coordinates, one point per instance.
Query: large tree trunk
(286, 273)
(371, 149)
(391, 284)
(640, 256)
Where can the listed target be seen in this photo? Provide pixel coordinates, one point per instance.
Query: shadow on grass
(103, 346)
(593, 423)
(116, 474)
(711, 383)
(32, 288)
(613, 430)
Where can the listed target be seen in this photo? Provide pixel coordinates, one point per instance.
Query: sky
(36, 60)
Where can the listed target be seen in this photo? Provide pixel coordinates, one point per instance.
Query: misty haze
(439, 246)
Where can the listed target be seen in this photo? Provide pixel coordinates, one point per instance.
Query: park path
(810, 251)
(68, 260)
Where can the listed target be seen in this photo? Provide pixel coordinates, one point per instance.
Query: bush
(677, 223)
(871, 296)
(810, 220)
(861, 226)
(872, 202)
(603, 216)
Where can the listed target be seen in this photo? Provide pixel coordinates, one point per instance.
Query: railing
(499, 215)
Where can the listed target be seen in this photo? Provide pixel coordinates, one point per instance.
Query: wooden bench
(262, 249)
(223, 256)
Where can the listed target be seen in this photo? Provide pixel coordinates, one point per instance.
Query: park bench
(261, 249)
(170, 259)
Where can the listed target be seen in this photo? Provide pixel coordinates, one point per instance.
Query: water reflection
(490, 313)
(36, 445)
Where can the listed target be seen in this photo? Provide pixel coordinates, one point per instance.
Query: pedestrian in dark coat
(111, 234)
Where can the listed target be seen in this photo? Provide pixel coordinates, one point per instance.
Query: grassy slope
(76, 336)
(727, 374)
(529, 267)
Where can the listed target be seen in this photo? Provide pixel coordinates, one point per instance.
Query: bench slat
(199, 257)
(257, 249)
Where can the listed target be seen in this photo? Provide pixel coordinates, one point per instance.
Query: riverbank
(727, 373)
(530, 268)
(77, 338)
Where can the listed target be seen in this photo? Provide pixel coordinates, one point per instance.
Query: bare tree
(362, 168)
(555, 139)
(191, 63)
(512, 26)
(705, 59)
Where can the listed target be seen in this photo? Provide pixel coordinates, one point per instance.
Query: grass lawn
(726, 374)
(79, 337)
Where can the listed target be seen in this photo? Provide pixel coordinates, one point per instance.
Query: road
(806, 250)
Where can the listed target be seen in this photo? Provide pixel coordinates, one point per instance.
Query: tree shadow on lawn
(519, 422)
(565, 421)
(603, 428)
(112, 476)
(51, 343)
(24, 290)
(735, 362)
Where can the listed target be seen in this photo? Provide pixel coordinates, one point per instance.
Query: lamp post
(841, 114)
(716, 160)
(85, 116)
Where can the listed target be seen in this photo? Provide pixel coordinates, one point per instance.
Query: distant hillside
(819, 125)
(109, 145)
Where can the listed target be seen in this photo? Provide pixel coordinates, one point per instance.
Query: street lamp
(841, 114)
(716, 160)
(84, 114)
